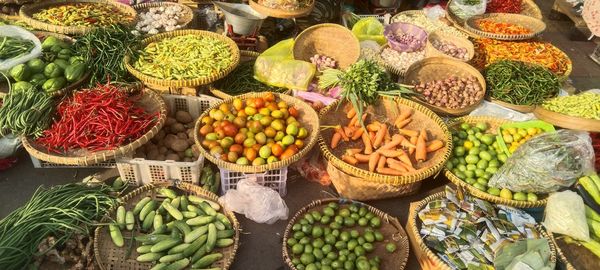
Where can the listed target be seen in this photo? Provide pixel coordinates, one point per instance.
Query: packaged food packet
(565, 214)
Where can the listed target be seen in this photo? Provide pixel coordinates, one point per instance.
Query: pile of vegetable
(82, 14)
(184, 57)
(54, 70)
(241, 80)
(453, 92)
(26, 113)
(390, 149)
(158, 19)
(451, 49)
(401, 60)
(322, 62)
(210, 179)
(254, 131)
(181, 230)
(501, 27)
(586, 105)
(175, 141)
(60, 211)
(339, 236)
(101, 118)
(521, 83)
(515, 137)
(503, 6)
(13, 47)
(430, 26)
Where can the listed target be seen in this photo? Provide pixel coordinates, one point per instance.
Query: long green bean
(12, 47)
(26, 113)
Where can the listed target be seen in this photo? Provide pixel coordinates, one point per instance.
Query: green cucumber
(148, 257)
(138, 207)
(167, 192)
(184, 228)
(179, 248)
(220, 226)
(143, 249)
(223, 219)
(199, 253)
(176, 202)
(147, 224)
(161, 229)
(178, 265)
(175, 233)
(160, 266)
(208, 209)
(121, 217)
(199, 221)
(225, 234)
(165, 245)
(158, 221)
(207, 260)
(197, 244)
(173, 211)
(197, 200)
(184, 203)
(171, 258)
(225, 242)
(129, 220)
(193, 208)
(115, 235)
(152, 238)
(149, 207)
(212, 237)
(189, 214)
(193, 235)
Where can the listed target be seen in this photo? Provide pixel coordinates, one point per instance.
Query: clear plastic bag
(490, 109)
(565, 214)
(465, 11)
(547, 162)
(9, 145)
(15, 31)
(258, 203)
(369, 29)
(277, 67)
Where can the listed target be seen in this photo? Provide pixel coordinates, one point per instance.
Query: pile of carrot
(384, 153)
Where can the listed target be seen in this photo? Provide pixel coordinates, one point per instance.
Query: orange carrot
(350, 160)
(340, 130)
(349, 131)
(389, 153)
(358, 133)
(390, 171)
(405, 114)
(396, 140)
(434, 145)
(373, 127)
(407, 144)
(392, 163)
(352, 151)
(357, 123)
(372, 136)
(405, 158)
(367, 142)
(373, 160)
(335, 140)
(362, 158)
(379, 136)
(353, 121)
(421, 152)
(408, 132)
(413, 141)
(381, 162)
(351, 113)
(386, 140)
(402, 123)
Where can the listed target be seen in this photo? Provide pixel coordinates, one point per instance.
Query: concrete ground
(260, 245)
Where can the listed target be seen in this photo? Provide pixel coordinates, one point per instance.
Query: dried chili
(504, 6)
(501, 27)
(101, 118)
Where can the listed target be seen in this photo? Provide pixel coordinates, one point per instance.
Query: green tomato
(390, 247)
(472, 159)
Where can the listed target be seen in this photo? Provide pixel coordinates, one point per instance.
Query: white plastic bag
(15, 31)
(490, 109)
(465, 11)
(258, 203)
(9, 145)
(435, 12)
(565, 214)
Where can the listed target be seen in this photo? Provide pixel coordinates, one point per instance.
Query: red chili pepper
(503, 6)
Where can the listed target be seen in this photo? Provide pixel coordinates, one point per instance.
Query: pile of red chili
(501, 28)
(101, 118)
(503, 6)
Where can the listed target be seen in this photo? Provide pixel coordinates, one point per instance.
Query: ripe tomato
(276, 149)
(251, 154)
(293, 111)
(269, 97)
(259, 103)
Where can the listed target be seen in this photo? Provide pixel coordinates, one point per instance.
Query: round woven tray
(567, 121)
(385, 111)
(518, 108)
(440, 68)
(150, 101)
(493, 124)
(534, 25)
(185, 17)
(431, 51)
(414, 225)
(27, 12)
(390, 228)
(108, 256)
(281, 13)
(244, 57)
(332, 40)
(307, 117)
(235, 54)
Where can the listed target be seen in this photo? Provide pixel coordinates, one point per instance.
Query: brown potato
(159, 136)
(160, 157)
(162, 150)
(153, 154)
(180, 145)
(183, 117)
(182, 135)
(177, 127)
(169, 139)
(170, 121)
(187, 159)
(173, 157)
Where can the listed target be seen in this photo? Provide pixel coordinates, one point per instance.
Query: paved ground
(260, 247)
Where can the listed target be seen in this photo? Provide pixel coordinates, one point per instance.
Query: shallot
(452, 92)
(451, 49)
(322, 62)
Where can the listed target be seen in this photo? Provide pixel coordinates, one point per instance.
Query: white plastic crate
(140, 171)
(275, 179)
(39, 164)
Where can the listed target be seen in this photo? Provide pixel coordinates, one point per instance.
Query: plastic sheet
(565, 214)
(15, 31)
(258, 203)
(9, 145)
(369, 29)
(277, 67)
(465, 11)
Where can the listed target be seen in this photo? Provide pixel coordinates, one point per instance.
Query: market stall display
(569, 112)
(397, 62)
(512, 135)
(344, 234)
(405, 37)
(174, 225)
(157, 17)
(502, 26)
(441, 44)
(329, 40)
(418, 18)
(283, 9)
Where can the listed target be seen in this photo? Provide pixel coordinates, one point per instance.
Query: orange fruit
(276, 149)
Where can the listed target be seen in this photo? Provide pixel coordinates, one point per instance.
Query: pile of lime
(477, 156)
(340, 236)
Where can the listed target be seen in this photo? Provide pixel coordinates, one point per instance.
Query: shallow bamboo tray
(414, 225)
(390, 228)
(185, 17)
(357, 182)
(244, 57)
(440, 68)
(431, 51)
(518, 108)
(281, 13)
(567, 121)
(150, 101)
(536, 26)
(307, 117)
(493, 124)
(149, 80)
(108, 256)
(27, 11)
(329, 39)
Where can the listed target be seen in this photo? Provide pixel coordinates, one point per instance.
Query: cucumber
(121, 217)
(161, 207)
(167, 192)
(193, 208)
(179, 248)
(189, 214)
(149, 207)
(225, 242)
(158, 221)
(176, 202)
(193, 235)
(138, 207)
(207, 209)
(199, 221)
(223, 219)
(178, 265)
(118, 183)
(184, 203)
(143, 249)
(199, 253)
(160, 266)
(147, 224)
(207, 260)
(165, 244)
(173, 211)
(161, 229)
(225, 234)
(129, 220)
(171, 258)
(115, 235)
(175, 233)
(148, 257)
(197, 244)
(184, 228)
(220, 226)
(152, 238)
(212, 237)
(214, 268)
(197, 200)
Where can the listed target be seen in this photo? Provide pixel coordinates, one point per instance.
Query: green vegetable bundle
(26, 113)
(12, 47)
(520, 83)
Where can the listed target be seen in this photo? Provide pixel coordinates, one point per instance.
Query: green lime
(375, 222)
(532, 197)
(363, 265)
(491, 170)
(354, 234)
(362, 222)
(520, 196)
(332, 256)
(485, 155)
(479, 172)
(353, 208)
(303, 222)
(344, 212)
(298, 235)
(462, 168)
(335, 225)
(332, 205)
(339, 219)
(297, 249)
(307, 258)
(470, 181)
(474, 151)
(362, 211)
(318, 243)
(487, 139)
(352, 244)
(472, 159)
(336, 265)
(368, 247)
(327, 249)
(292, 241)
(345, 236)
(311, 267)
(479, 186)
(355, 216)
(462, 135)
(482, 126)
(470, 174)
(317, 231)
(359, 251)
(361, 240)
(369, 237)
(308, 249)
(378, 236)
(482, 181)
(316, 215)
(296, 227)
(369, 215)
(482, 164)
(307, 229)
(494, 163)
(325, 220)
(348, 265)
(449, 165)
(330, 239)
(390, 247)
(465, 126)
(335, 233)
(318, 254)
(340, 245)
(459, 151)
(493, 191)
(328, 211)
(349, 222)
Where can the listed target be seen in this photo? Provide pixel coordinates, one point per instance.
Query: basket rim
(281, 13)
(476, 192)
(572, 122)
(26, 14)
(439, 35)
(102, 156)
(561, 256)
(393, 221)
(184, 20)
(374, 177)
(296, 49)
(536, 26)
(146, 79)
(311, 138)
(183, 186)
(518, 108)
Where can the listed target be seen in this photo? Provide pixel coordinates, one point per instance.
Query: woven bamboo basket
(518, 108)
(307, 117)
(27, 12)
(108, 256)
(329, 39)
(414, 227)
(567, 121)
(150, 101)
(561, 256)
(149, 80)
(440, 68)
(431, 51)
(282, 13)
(390, 228)
(534, 25)
(185, 17)
(493, 124)
(357, 182)
(244, 57)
